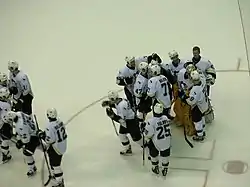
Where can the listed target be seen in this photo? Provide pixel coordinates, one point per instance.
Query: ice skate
(6, 158)
(198, 138)
(164, 172)
(32, 172)
(155, 170)
(127, 151)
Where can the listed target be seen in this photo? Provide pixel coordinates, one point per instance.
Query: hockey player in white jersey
(205, 66)
(55, 136)
(158, 89)
(5, 127)
(176, 63)
(127, 119)
(158, 135)
(143, 103)
(3, 80)
(126, 78)
(20, 87)
(27, 137)
(198, 101)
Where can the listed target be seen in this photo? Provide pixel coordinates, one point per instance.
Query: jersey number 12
(61, 134)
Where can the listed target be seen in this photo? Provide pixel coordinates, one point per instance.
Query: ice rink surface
(72, 50)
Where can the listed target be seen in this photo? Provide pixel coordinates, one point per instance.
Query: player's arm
(122, 79)
(151, 88)
(148, 131)
(25, 85)
(50, 136)
(193, 98)
(211, 73)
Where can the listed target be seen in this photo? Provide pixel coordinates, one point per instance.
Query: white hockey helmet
(173, 54)
(51, 113)
(143, 67)
(3, 78)
(4, 93)
(190, 68)
(154, 62)
(9, 117)
(158, 108)
(130, 60)
(113, 96)
(13, 66)
(155, 70)
(195, 76)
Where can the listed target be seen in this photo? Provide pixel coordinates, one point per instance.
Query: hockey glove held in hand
(110, 113)
(19, 144)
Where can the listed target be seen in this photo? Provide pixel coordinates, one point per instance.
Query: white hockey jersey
(140, 87)
(124, 110)
(184, 83)
(158, 88)
(158, 129)
(203, 65)
(126, 72)
(25, 127)
(176, 69)
(22, 83)
(4, 108)
(56, 136)
(198, 97)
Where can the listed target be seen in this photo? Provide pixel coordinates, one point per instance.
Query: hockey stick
(13, 141)
(186, 139)
(45, 158)
(116, 132)
(143, 149)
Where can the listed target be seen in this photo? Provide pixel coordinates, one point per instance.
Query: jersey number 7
(163, 132)
(164, 86)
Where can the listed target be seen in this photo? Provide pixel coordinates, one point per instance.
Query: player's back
(202, 100)
(162, 135)
(56, 132)
(140, 86)
(124, 110)
(159, 85)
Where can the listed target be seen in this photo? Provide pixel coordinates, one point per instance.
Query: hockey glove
(110, 113)
(41, 134)
(19, 144)
(105, 103)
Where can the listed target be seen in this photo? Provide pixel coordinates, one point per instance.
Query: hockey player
(143, 103)
(3, 80)
(126, 78)
(27, 137)
(176, 63)
(205, 66)
(20, 88)
(129, 124)
(158, 135)
(158, 89)
(55, 137)
(5, 127)
(198, 101)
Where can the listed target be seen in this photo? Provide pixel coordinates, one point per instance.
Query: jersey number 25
(163, 132)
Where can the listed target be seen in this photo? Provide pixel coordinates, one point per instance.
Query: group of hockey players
(19, 125)
(152, 85)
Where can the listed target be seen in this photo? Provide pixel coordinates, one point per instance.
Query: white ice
(72, 50)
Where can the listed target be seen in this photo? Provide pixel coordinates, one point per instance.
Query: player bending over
(198, 101)
(27, 137)
(55, 137)
(158, 136)
(129, 123)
